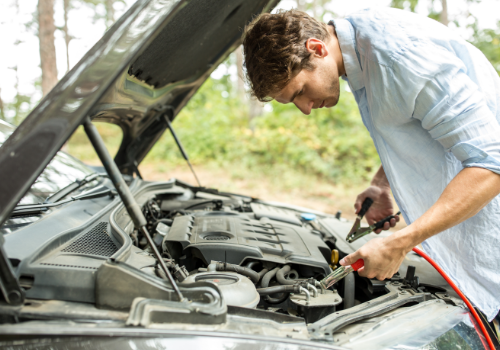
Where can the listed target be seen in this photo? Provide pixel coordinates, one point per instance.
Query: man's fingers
(393, 222)
(350, 259)
(357, 204)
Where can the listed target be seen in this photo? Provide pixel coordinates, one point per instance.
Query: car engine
(259, 255)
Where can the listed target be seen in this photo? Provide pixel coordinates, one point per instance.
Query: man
(431, 102)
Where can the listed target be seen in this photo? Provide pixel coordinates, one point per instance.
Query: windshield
(61, 171)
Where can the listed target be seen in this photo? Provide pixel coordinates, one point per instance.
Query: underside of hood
(170, 69)
(143, 70)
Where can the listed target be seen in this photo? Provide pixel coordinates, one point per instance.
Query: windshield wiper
(63, 192)
(38, 208)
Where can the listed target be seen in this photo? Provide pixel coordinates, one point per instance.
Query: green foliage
(330, 143)
(488, 41)
(405, 4)
(16, 110)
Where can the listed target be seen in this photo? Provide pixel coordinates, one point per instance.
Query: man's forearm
(380, 179)
(463, 198)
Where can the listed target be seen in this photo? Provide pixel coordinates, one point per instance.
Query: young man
(431, 102)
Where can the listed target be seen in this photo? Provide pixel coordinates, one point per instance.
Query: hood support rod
(179, 145)
(9, 284)
(126, 196)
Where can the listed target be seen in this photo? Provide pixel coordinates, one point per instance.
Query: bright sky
(15, 28)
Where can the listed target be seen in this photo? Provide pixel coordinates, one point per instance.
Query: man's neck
(334, 47)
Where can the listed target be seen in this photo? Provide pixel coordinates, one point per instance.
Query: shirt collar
(347, 41)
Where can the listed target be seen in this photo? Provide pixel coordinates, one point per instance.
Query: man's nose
(305, 105)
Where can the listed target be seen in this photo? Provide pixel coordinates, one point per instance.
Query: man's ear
(317, 47)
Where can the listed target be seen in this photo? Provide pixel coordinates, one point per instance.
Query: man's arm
(463, 198)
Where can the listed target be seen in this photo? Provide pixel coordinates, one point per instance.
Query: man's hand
(382, 206)
(467, 193)
(382, 257)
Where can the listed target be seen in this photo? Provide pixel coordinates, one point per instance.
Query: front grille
(94, 242)
(71, 266)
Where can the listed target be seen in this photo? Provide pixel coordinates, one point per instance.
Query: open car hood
(143, 70)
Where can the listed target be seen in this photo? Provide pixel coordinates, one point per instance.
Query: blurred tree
(443, 16)
(2, 109)
(255, 107)
(110, 12)
(241, 75)
(411, 5)
(67, 36)
(301, 5)
(405, 4)
(488, 41)
(21, 104)
(46, 29)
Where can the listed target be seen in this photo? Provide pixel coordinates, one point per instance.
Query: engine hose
(459, 292)
(280, 276)
(254, 276)
(251, 264)
(268, 276)
(281, 298)
(262, 273)
(265, 283)
(279, 289)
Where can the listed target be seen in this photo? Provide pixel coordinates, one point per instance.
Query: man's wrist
(384, 186)
(405, 239)
(380, 180)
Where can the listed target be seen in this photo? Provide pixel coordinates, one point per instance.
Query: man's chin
(332, 103)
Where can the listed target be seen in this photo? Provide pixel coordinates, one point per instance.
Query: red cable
(464, 298)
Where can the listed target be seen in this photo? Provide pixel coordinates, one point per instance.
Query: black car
(101, 258)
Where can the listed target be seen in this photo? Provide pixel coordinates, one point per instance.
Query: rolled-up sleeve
(452, 109)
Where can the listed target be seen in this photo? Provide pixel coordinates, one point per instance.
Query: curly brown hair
(275, 50)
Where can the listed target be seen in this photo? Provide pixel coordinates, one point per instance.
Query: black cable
(279, 289)
(265, 283)
(268, 276)
(254, 276)
(280, 276)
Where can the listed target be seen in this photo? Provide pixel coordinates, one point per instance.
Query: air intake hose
(253, 275)
(280, 276)
(279, 289)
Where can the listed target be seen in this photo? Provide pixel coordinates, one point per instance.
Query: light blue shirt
(431, 102)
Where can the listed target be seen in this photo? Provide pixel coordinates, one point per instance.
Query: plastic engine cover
(233, 238)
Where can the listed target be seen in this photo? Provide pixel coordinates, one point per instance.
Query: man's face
(312, 89)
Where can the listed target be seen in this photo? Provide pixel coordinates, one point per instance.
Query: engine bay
(260, 256)
(225, 252)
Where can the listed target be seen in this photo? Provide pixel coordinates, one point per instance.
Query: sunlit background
(236, 144)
